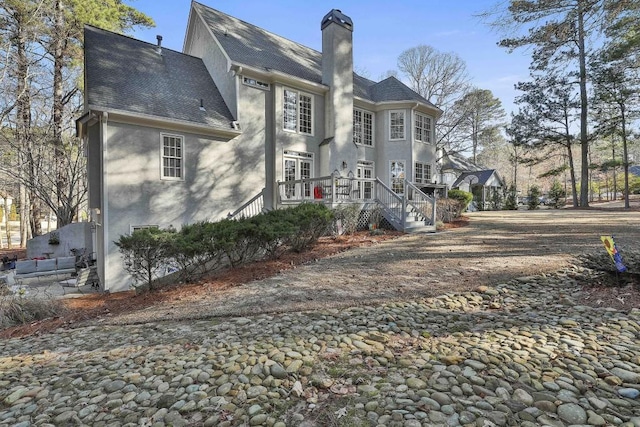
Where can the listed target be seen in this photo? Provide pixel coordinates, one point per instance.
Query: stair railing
(420, 203)
(251, 208)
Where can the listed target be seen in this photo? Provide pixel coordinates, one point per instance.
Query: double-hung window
(298, 112)
(422, 173)
(172, 155)
(422, 128)
(396, 125)
(363, 127)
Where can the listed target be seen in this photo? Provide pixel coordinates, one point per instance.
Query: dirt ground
(489, 248)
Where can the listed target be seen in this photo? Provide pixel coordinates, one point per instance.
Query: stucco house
(244, 120)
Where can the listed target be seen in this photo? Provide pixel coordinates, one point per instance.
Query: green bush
(272, 230)
(534, 198)
(556, 195)
(195, 250)
(147, 254)
(511, 199)
(464, 197)
(311, 221)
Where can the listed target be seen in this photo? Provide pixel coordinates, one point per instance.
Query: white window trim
(415, 124)
(404, 125)
(426, 178)
(298, 121)
(373, 127)
(250, 81)
(405, 173)
(133, 227)
(182, 167)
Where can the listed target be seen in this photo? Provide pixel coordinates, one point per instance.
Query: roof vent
(159, 47)
(339, 18)
(202, 105)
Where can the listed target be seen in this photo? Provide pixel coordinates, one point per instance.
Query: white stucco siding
(203, 45)
(295, 141)
(389, 150)
(136, 194)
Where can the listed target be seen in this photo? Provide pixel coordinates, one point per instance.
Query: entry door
(297, 166)
(397, 172)
(365, 188)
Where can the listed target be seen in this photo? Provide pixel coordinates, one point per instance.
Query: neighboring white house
(243, 115)
(485, 184)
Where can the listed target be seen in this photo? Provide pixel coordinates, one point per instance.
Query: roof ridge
(259, 28)
(104, 30)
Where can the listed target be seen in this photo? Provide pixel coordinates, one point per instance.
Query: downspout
(104, 212)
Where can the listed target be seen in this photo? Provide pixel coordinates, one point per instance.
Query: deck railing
(392, 204)
(327, 189)
(251, 208)
(420, 204)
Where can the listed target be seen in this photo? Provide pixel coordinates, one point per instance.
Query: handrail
(392, 203)
(420, 202)
(251, 208)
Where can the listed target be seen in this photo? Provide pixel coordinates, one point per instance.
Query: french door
(297, 166)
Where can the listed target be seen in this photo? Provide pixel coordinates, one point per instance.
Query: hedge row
(203, 247)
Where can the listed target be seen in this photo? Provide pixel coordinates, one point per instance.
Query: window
(422, 128)
(256, 83)
(397, 174)
(365, 172)
(298, 112)
(396, 125)
(172, 157)
(362, 127)
(422, 173)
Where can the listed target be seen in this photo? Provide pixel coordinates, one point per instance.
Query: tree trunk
(584, 137)
(625, 158)
(572, 174)
(62, 184)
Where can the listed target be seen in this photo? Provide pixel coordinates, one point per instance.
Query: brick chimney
(337, 73)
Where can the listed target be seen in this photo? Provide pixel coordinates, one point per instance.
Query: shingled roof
(130, 75)
(479, 177)
(249, 45)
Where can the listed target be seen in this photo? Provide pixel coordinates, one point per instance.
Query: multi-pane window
(253, 82)
(297, 166)
(422, 128)
(422, 173)
(365, 172)
(396, 125)
(397, 172)
(362, 127)
(298, 112)
(172, 157)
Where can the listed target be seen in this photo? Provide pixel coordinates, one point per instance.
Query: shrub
(16, 307)
(147, 254)
(311, 221)
(447, 210)
(272, 230)
(496, 201)
(511, 200)
(534, 197)
(464, 197)
(556, 195)
(195, 250)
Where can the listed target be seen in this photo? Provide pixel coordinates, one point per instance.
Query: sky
(382, 31)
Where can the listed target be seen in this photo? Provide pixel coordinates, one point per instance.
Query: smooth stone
(572, 413)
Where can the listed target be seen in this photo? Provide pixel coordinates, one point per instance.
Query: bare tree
(441, 78)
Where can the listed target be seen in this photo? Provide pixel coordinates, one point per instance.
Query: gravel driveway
(494, 248)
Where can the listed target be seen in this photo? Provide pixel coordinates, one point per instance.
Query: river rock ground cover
(498, 350)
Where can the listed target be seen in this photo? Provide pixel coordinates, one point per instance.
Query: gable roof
(634, 170)
(480, 177)
(252, 46)
(456, 162)
(125, 74)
